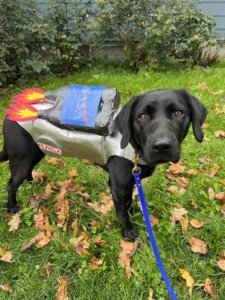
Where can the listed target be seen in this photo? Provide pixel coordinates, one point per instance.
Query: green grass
(109, 282)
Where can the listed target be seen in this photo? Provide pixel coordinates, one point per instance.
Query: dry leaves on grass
(173, 189)
(61, 210)
(214, 170)
(220, 110)
(196, 223)
(220, 196)
(150, 294)
(38, 176)
(194, 203)
(219, 133)
(104, 206)
(6, 288)
(203, 86)
(73, 173)
(189, 280)
(62, 293)
(46, 270)
(211, 193)
(209, 288)
(95, 263)
(179, 214)
(128, 250)
(41, 218)
(14, 222)
(74, 226)
(7, 257)
(81, 244)
(204, 160)
(221, 262)
(55, 161)
(154, 220)
(198, 246)
(177, 168)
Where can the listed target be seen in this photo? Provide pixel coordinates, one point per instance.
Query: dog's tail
(3, 155)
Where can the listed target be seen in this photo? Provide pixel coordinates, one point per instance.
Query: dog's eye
(178, 113)
(144, 116)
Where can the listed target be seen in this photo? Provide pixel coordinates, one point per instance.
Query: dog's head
(155, 123)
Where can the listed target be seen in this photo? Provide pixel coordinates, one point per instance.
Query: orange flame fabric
(30, 96)
(21, 112)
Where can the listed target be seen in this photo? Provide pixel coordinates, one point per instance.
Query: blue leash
(137, 177)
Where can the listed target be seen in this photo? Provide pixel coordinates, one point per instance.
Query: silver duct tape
(56, 141)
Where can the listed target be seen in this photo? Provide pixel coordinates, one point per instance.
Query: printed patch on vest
(50, 149)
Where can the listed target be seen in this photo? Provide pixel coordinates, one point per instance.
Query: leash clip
(135, 160)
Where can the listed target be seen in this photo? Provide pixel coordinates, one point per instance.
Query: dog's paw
(131, 235)
(14, 209)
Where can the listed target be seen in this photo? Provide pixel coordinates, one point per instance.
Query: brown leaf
(209, 288)
(203, 86)
(197, 224)
(6, 288)
(73, 173)
(44, 237)
(150, 294)
(221, 262)
(170, 176)
(211, 194)
(66, 185)
(62, 293)
(95, 224)
(204, 160)
(55, 161)
(177, 214)
(74, 226)
(191, 172)
(104, 206)
(172, 189)
(49, 190)
(198, 246)
(41, 219)
(36, 199)
(177, 168)
(61, 209)
(183, 182)
(184, 224)
(98, 241)
(128, 249)
(14, 222)
(189, 279)
(214, 170)
(154, 220)
(219, 133)
(193, 202)
(7, 257)
(30, 243)
(220, 111)
(38, 176)
(95, 263)
(220, 196)
(205, 126)
(82, 244)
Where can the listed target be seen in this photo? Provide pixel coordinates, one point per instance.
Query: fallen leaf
(220, 196)
(170, 176)
(193, 202)
(44, 237)
(191, 172)
(14, 222)
(211, 194)
(214, 170)
(221, 262)
(49, 190)
(128, 250)
(220, 111)
(73, 173)
(95, 263)
(183, 182)
(38, 176)
(189, 279)
(205, 126)
(74, 226)
(7, 257)
(95, 225)
(203, 86)
(36, 199)
(150, 294)
(198, 246)
(82, 244)
(197, 224)
(62, 293)
(219, 133)
(66, 185)
(209, 288)
(55, 161)
(204, 160)
(41, 219)
(61, 209)
(99, 241)
(177, 214)
(177, 168)
(172, 189)
(184, 224)
(223, 209)
(6, 288)
(154, 220)
(104, 206)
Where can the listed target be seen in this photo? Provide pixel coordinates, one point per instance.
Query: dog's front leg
(121, 183)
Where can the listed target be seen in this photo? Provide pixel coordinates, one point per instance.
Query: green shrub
(152, 31)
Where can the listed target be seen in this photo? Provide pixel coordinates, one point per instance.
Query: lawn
(31, 279)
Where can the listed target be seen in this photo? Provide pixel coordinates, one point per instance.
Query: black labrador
(155, 123)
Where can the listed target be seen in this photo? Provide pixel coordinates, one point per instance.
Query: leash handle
(137, 177)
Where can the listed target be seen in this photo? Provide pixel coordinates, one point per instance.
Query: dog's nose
(163, 144)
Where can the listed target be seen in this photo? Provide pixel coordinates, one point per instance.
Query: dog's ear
(198, 115)
(124, 121)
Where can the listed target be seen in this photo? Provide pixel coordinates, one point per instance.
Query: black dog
(155, 123)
